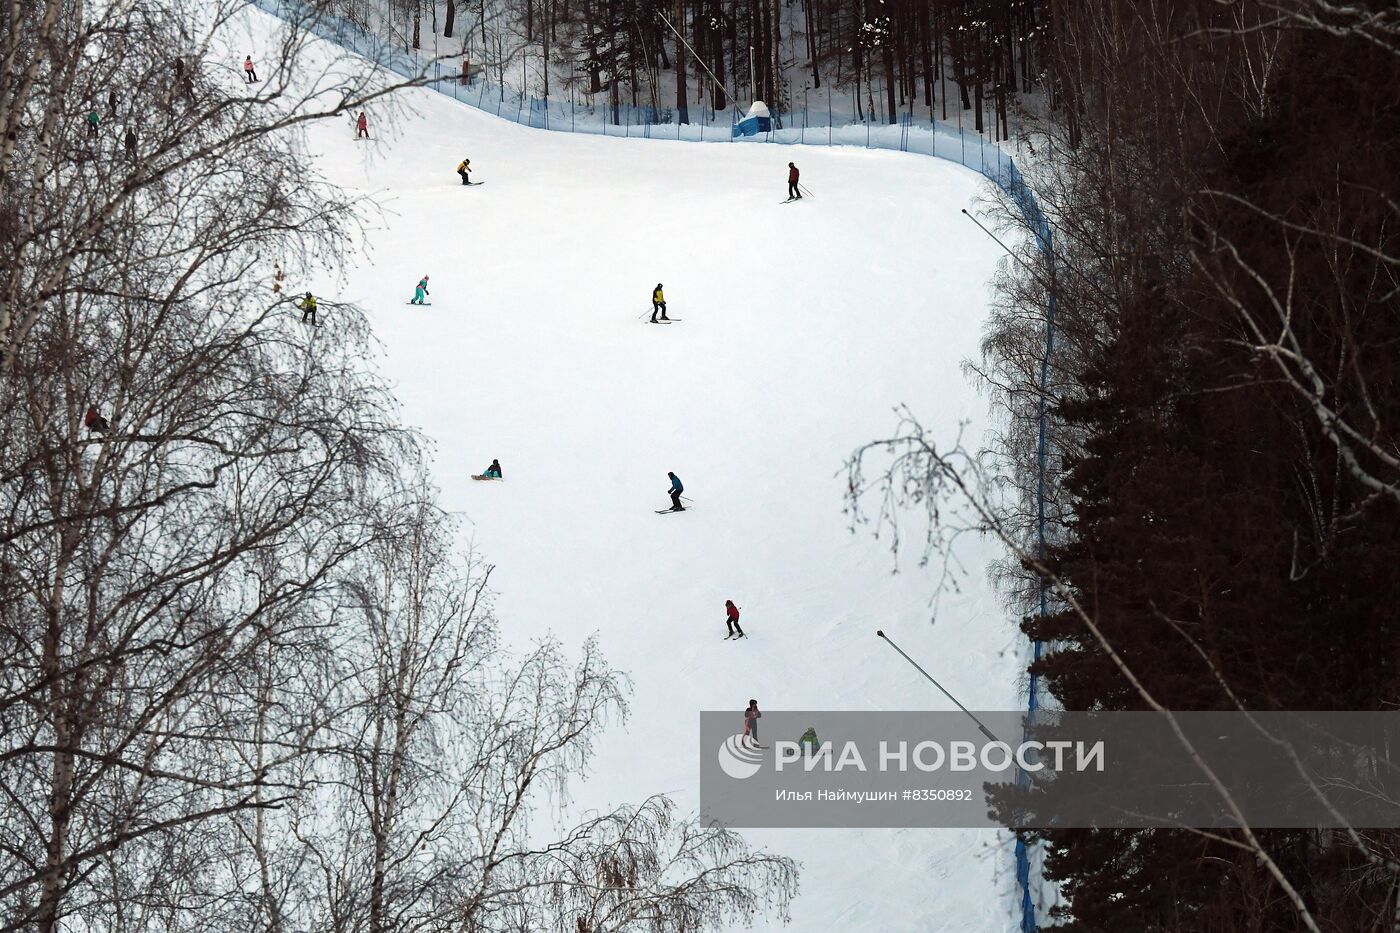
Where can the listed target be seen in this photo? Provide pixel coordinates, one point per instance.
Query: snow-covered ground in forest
(801, 326)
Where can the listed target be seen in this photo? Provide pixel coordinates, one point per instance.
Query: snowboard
(473, 184)
(484, 476)
(426, 304)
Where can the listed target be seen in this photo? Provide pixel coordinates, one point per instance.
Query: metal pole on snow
(929, 677)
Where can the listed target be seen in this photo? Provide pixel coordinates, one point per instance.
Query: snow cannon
(758, 120)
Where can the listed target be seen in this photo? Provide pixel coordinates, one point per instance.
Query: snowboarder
(751, 718)
(93, 120)
(130, 143)
(362, 126)
(809, 743)
(658, 303)
(308, 309)
(731, 613)
(494, 470)
(676, 490)
(94, 421)
(420, 291)
(248, 69)
(793, 191)
(464, 168)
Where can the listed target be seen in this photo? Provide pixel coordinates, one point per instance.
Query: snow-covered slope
(802, 325)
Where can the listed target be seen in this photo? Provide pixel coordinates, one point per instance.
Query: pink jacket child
(248, 69)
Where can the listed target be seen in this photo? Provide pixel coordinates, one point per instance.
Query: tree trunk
(682, 95)
(450, 20)
(889, 80)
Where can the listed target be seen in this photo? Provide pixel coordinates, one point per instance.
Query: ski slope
(802, 326)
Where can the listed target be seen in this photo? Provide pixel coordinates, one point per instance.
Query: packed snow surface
(801, 326)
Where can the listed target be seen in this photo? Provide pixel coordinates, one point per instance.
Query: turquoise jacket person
(421, 291)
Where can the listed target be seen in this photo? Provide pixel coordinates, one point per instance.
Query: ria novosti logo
(738, 760)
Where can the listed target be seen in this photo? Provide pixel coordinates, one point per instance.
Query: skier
(248, 69)
(308, 309)
(731, 619)
(464, 169)
(793, 192)
(92, 121)
(362, 126)
(751, 718)
(658, 303)
(494, 470)
(809, 743)
(130, 143)
(94, 422)
(420, 291)
(676, 490)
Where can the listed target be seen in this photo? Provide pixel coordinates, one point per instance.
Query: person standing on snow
(420, 291)
(308, 309)
(362, 126)
(793, 191)
(658, 303)
(731, 619)
(93, 121)
(248, 71)
(464, 168)
(676, 490)
(94, 421)
(130, 142)
(751, 718)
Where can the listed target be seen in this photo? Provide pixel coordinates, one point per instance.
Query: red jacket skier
(362, 126)
(731, 612)
(793, 190)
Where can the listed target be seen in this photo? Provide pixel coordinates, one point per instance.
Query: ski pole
(806, 189)
(985, 730)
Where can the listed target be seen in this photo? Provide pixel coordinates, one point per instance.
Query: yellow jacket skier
(658, 303)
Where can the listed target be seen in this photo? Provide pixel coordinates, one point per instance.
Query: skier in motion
(658, 303)
(676, 489)
(794, 192)
(751, 718)
(731, 619)
(420, 291)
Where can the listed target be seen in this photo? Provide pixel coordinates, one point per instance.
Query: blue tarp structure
(758, 120)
